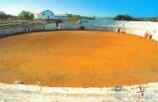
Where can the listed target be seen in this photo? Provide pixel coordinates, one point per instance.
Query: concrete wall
(136, 31)
(37, 28)
(101, 28)
(50, 27)
(30, 93)
(10, 31)
(138, 28)
(155, 35)
(15, 30)
(69, 26)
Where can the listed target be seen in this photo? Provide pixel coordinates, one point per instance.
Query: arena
(78, 59)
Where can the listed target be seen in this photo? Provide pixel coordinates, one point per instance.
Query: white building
(47, 14)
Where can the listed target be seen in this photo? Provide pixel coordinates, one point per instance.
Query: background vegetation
(123, 17)
(27, 15)
(73, 17)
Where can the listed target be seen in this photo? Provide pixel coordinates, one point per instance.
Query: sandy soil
(78, 59)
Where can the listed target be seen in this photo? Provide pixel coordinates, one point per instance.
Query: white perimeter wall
(10, 31)
(63, 26)
(138, 28)
(31, 93)
(50, 27)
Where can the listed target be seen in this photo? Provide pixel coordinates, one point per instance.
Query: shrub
(123, 17)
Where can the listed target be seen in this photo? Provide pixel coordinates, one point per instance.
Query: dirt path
(78, 58)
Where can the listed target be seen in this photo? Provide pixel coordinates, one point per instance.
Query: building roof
(46, 11)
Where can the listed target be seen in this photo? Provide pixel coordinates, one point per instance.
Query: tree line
(130, 18)
(26, 15)
(74, 17)
(124, 17)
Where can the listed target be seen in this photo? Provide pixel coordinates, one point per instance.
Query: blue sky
(109, 8)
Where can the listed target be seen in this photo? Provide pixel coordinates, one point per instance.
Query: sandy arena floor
(78, 59)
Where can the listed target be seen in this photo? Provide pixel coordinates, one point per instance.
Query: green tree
(26, 15)
(123, 17)
(3, 15)
(73, 17)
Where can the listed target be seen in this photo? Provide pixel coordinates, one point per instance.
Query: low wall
(63, 26)
(41, 27)
(50, 27)
(138, 32)
(31, 93)
(10, 31)
(37, 28)
(100, 28)
(14, 30)
(138, 28)
(155, 35)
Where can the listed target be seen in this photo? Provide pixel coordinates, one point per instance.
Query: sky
(98, 8)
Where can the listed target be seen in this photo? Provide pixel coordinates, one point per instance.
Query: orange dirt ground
(78, 59)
